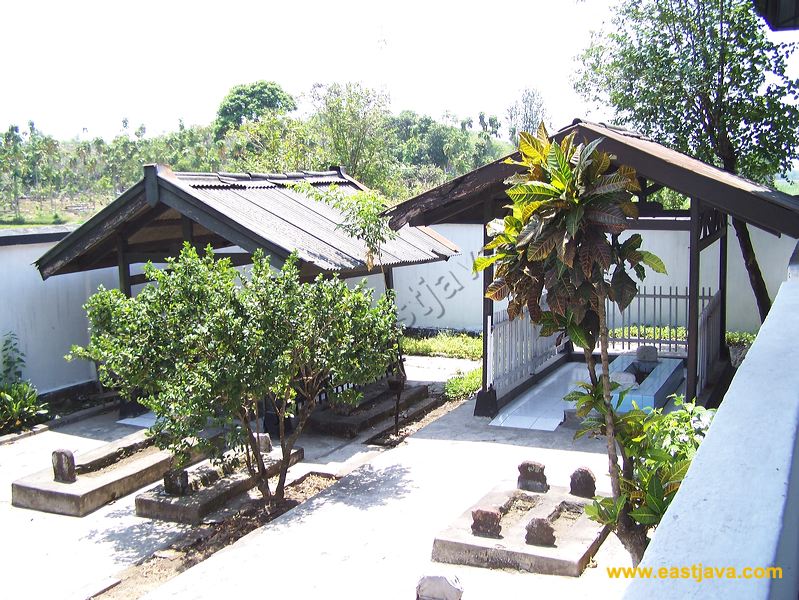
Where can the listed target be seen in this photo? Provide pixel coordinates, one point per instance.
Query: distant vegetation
(45, 180)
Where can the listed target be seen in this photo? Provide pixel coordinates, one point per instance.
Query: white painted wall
(444, 294)
(449, 295)
(47, 315)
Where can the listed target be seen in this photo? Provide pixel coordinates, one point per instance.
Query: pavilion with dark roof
(479, 197)
(239, 213)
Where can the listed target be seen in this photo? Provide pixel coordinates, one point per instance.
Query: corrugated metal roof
(269, 207)
(251, 211)
(460, 200)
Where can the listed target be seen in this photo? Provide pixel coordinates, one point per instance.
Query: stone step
(380, 408)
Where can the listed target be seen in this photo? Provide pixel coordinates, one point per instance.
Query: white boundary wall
(47, 316)
(448, 295)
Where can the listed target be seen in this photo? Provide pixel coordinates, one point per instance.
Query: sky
(70, 66)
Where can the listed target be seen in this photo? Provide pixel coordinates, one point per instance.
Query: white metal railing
(657, 316)
(517, 350)
(709, 341)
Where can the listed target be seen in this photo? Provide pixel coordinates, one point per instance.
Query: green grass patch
(451, 345)
(734, 338)
(463, 385)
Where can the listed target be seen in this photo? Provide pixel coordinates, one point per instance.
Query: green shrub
(734, 338)
(448, 344)
(20, 407)
(740, 338)
(19, 400)
(463, 385)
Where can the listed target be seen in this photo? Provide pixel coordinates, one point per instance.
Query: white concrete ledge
(739, 504)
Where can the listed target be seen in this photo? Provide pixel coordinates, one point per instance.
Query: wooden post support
(693, 299)
(124, 266)
(388, 276)
(187, 225)
(486, 403)
(723, 289)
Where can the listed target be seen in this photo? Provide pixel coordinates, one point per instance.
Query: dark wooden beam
(124, 266)
(709, 239)
(187, 226)
(723, 289)
(486, 403)
(693, 300)
(389, 278)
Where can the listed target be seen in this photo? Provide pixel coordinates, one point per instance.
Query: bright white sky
(86, 64)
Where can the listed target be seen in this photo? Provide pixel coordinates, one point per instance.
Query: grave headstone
(264, 442)
(439, 587)
(540, 532)
(485, 522)
(176, 482)
(64, 466)
(583, 483)
(532, 477)
(646, 353)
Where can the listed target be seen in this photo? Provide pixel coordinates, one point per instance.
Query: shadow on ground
(134, 541)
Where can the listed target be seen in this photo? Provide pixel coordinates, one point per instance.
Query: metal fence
(657, 317)
(517, 351)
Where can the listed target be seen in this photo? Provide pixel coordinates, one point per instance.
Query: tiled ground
(541, 407)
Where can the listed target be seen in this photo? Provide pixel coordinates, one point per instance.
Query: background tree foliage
(249, 102)
(348, 125)
(703, 77)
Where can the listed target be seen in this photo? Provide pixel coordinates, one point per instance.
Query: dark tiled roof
(251, 211)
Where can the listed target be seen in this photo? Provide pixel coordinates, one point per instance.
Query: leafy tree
(525, 113)
(352, 124)
(249, 102)
(274, 144)
(704, 78)
(561, 243)
(326, 334)
(204, 344)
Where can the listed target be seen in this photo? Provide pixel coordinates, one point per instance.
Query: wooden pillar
(124, 266)
(388, 276)
(187, 225)
(723, 289)
(486, 403)
(488, 304)
(693, 299)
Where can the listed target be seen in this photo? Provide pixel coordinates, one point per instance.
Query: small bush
(463, 385)
(19, 400)
(740, 338)
(450, 345)
(734, 338)
(20, 407)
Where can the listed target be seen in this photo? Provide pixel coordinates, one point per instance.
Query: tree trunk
(610, 428)
(756, 280)
(591, 364)
(631, 534)
(752, 268)
(262, 481)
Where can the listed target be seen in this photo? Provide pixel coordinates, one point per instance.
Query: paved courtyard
(370, 535)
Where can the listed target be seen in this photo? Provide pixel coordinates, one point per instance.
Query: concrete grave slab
(104, 474)
(577, 538)
(193, 507)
